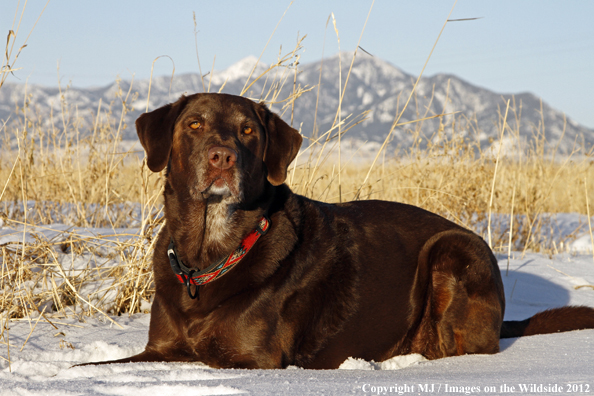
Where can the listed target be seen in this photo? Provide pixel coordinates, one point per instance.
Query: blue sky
(542, 46)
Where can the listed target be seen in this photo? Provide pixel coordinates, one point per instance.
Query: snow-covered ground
(548, 364)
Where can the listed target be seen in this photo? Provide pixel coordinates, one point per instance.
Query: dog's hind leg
(464, 299)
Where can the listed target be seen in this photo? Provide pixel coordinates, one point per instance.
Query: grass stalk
(495, 174)
(588, 214)
(389, 135)
(511, 229)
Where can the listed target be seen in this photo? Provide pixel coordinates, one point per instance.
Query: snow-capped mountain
(375, 88)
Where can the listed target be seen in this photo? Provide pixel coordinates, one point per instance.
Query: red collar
(189, 276)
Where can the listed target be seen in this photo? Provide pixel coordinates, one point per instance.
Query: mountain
(375, 88)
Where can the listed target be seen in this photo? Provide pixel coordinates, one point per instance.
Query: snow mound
(395, 363)
(582, 245)
(399, 362)
(357, 364)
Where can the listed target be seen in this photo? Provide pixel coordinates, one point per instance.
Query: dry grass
(74, 172)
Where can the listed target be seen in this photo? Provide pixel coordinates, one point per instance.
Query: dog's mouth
(219, 186)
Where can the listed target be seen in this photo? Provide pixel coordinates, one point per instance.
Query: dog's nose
(222, 157)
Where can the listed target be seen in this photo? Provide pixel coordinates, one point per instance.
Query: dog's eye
(247, 130)
(195, 125)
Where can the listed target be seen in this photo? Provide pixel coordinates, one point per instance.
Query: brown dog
(285, 280)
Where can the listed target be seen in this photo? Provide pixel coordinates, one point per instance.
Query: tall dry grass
(69, 184)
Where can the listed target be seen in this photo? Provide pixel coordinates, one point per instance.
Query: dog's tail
(551, 321)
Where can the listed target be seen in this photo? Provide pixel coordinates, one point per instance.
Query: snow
(551, 364)
(240, 70)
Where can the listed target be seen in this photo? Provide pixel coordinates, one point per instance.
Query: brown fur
(366, 279)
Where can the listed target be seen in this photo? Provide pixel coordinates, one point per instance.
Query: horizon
(310, 62)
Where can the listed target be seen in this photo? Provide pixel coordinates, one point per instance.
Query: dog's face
(218, 145)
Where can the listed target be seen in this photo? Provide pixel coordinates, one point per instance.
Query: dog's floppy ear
(155, 131)
(282, 145)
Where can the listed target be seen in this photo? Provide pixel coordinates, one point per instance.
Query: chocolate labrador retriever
(250, 275)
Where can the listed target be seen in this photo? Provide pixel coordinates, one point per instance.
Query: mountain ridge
(376, 88)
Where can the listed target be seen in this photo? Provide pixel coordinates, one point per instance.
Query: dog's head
(218, 144)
